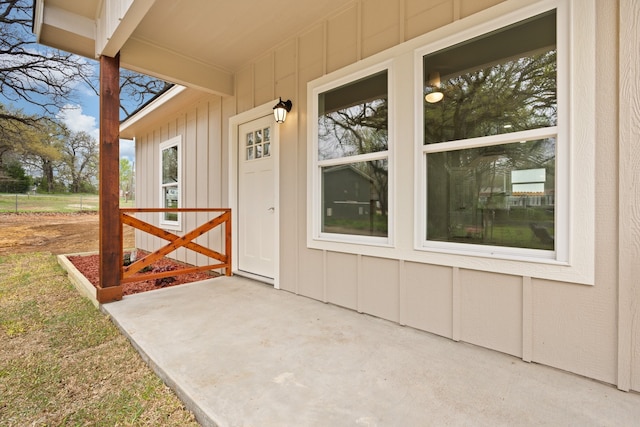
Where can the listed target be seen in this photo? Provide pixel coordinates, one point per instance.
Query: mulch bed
(89, 266)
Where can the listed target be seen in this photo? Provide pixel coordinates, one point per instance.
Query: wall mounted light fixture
(281, 109)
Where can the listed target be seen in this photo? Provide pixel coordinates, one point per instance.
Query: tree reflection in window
(170, 178)
(498, 83)
(170, 165)
(352, 152)
(513, 96)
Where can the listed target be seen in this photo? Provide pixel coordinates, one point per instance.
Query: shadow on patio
(241, 353)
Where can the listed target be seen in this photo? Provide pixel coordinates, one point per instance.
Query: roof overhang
(167, 104)
(194, 43)
(92, 28)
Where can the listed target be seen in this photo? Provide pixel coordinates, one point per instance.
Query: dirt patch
(57, 233)
(68, 233)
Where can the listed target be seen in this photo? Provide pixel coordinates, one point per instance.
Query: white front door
(257, 210)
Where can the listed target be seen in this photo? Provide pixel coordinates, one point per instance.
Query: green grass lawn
(52, 202)
(511, 235)
(359, 225)
(64, 363)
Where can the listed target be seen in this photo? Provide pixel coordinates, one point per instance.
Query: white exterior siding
(629, 200)
(565, 325)
(203, 179)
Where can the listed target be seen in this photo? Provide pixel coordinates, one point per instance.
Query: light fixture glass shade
(281, 109)
(434, 97)
(280, 114)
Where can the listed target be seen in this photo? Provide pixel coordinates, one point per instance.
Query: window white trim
(574, 252)
(176, 141)
(576, 23)
(316, 238)
(485, 141)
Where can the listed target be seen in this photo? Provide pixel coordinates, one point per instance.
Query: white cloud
(38, 59)
(128, 149)
(76, 121)
(73, 117)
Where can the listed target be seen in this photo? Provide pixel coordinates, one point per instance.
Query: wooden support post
(110, 230)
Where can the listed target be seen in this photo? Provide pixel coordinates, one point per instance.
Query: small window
(490, 139)
(352, 159)
(170, 174)
(258, 144)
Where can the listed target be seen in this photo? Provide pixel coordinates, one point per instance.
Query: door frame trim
(234, 126)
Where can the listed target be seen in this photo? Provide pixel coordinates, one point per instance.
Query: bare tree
(11, 133)
(79, 164)
(138, 90)
(47, 77)
(32, 73)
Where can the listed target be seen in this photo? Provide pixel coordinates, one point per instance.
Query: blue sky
(84, 115)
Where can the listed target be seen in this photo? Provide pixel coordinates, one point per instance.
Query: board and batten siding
(204, 171)
(565, 325)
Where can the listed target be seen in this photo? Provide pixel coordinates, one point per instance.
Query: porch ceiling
(197, 43)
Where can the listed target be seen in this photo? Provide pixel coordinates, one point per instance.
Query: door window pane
(258, 144)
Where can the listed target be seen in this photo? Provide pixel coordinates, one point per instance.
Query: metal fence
(52, 202)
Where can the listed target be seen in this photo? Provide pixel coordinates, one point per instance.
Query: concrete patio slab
(240, 353)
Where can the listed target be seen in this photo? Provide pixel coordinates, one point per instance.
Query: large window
(170, 173)
(352, 159)
(490, 139)
(470, 146)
